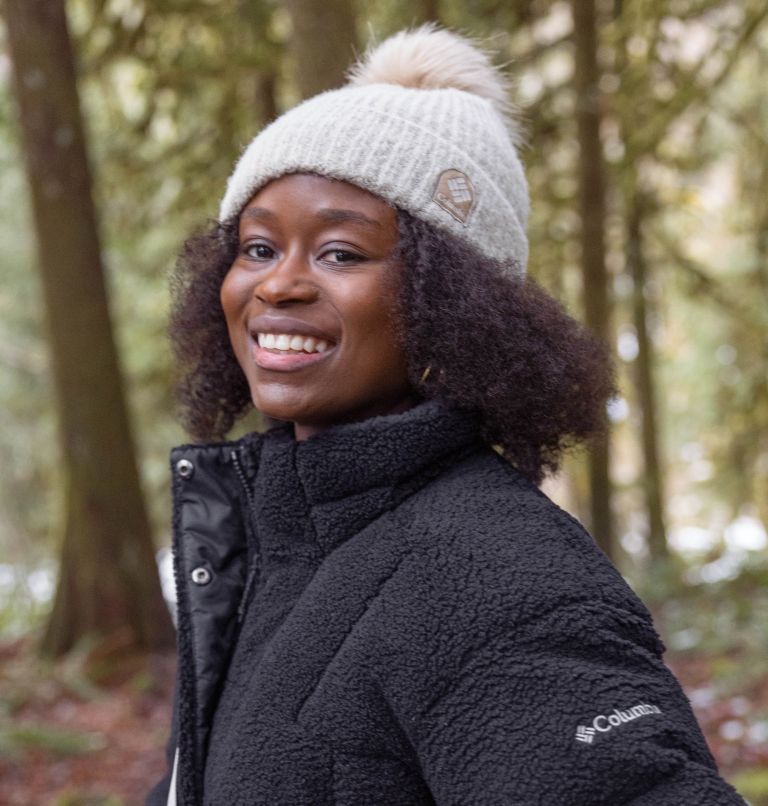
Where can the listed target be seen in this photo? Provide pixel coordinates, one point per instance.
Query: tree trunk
(108, 578)
(430, 11)
(592, 209)
(265, 97)
(255, 19)
(646, 389)
(323, 43)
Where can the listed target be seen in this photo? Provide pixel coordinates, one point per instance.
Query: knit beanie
(424, 124)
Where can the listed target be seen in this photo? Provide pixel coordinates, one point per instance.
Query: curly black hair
(473, 333)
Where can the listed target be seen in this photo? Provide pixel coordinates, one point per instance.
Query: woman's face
(309, 300)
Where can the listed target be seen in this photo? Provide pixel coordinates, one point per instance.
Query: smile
(287, 343)
(286, 352)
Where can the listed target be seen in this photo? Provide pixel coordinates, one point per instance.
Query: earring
(425, 374)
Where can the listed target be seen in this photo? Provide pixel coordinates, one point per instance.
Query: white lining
(172, 788)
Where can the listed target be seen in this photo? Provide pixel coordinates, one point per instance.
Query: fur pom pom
(433, 58)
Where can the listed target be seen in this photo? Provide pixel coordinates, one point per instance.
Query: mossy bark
(592, 210)
(322, 44)
(108, 579)
(653, 486)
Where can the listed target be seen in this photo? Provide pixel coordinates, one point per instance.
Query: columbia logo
(459, 190)
(585, 734)
(603, 723)
(455, 194)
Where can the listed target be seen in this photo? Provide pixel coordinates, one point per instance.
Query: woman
(375, 606)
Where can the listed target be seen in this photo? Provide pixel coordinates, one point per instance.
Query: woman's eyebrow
(258, 213)
(336, 216)
(332, 215)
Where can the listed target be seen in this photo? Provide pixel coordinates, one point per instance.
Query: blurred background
(647, 156)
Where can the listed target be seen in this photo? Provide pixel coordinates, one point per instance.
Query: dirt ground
(65, 742)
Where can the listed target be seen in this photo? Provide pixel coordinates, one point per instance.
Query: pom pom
(432, 58)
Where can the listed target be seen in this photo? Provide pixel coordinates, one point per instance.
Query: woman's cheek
(225, 293)
(231, 286)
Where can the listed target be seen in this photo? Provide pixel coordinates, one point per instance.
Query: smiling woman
(309, 302)
(376, 604)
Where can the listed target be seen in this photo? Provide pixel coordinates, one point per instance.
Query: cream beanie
(423, 123)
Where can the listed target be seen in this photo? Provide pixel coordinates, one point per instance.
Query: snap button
(185, 468)
(201, 576)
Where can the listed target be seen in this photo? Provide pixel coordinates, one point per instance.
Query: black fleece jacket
(388, 613)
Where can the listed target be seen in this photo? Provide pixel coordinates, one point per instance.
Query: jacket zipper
(241, 475)
(250, 581)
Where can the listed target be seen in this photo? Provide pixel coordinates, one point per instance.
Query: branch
(702, 280)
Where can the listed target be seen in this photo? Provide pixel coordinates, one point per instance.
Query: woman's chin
(287, 407)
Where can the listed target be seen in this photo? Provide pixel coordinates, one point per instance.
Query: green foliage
(28, 445)
(715, 618)
(753, 785)
(25, 590)
(17, 739)
(79, 799)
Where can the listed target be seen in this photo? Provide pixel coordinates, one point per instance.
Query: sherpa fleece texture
(420, 625)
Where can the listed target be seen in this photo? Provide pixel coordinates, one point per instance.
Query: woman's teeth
(294, 344)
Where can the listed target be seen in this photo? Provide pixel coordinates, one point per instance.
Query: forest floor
(65, 741)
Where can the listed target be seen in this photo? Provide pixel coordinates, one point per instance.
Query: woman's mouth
(285, 342)
(289, 351)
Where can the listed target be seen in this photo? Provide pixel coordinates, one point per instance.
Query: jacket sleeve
(574, 708)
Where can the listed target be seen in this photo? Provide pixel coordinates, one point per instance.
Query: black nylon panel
(209, 535)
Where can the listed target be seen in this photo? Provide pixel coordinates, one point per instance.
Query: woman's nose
(287, 281)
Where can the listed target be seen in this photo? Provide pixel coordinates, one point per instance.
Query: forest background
(647, 156)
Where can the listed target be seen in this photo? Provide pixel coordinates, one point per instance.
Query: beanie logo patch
(455, 193)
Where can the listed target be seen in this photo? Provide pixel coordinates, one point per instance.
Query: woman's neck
(303, 431)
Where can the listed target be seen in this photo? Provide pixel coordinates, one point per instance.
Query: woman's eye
(341, 257)
(259, 251)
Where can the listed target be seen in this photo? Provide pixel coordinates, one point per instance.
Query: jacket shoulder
(484, 536)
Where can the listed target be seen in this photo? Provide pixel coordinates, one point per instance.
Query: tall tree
(322, 44)
(634, 72)
(592, 210)
(653, 487)
(108, 580)
(648, 119)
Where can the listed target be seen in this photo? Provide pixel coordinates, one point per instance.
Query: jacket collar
(310, 496)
